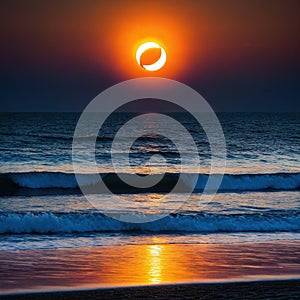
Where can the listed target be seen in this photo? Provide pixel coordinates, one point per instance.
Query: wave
(20, 183)
(68, 137)
(46, 222)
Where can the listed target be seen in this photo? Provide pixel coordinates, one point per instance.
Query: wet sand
(164, 268)
(281, 289)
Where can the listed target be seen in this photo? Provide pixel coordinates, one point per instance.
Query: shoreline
(136, 266)
(256, 289)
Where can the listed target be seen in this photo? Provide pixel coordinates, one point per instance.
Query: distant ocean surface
(42, 207)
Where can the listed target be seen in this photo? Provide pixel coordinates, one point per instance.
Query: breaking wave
(49, 222)
(11, 183)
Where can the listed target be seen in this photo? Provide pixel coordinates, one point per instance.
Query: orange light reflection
(146, 264)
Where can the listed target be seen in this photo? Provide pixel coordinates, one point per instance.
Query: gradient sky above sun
(240, 55)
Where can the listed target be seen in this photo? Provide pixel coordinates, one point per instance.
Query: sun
(159, 63)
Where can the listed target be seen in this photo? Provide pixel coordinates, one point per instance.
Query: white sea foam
(97, 222)
(231, 182)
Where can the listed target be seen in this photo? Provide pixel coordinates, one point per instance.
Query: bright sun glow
(159, 63)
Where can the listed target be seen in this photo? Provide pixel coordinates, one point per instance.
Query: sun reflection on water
(158, 263)
(155, 263)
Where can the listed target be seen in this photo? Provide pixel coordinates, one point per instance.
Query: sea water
(42, 207)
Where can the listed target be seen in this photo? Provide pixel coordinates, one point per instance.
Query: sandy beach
(281, 289)
(178, 269)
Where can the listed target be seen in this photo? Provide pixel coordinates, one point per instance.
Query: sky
(240, 55)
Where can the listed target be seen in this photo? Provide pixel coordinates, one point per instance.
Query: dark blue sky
(243, 56)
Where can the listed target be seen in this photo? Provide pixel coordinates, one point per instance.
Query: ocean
(41, 206)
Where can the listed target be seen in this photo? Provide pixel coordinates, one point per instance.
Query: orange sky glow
(198, 36)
